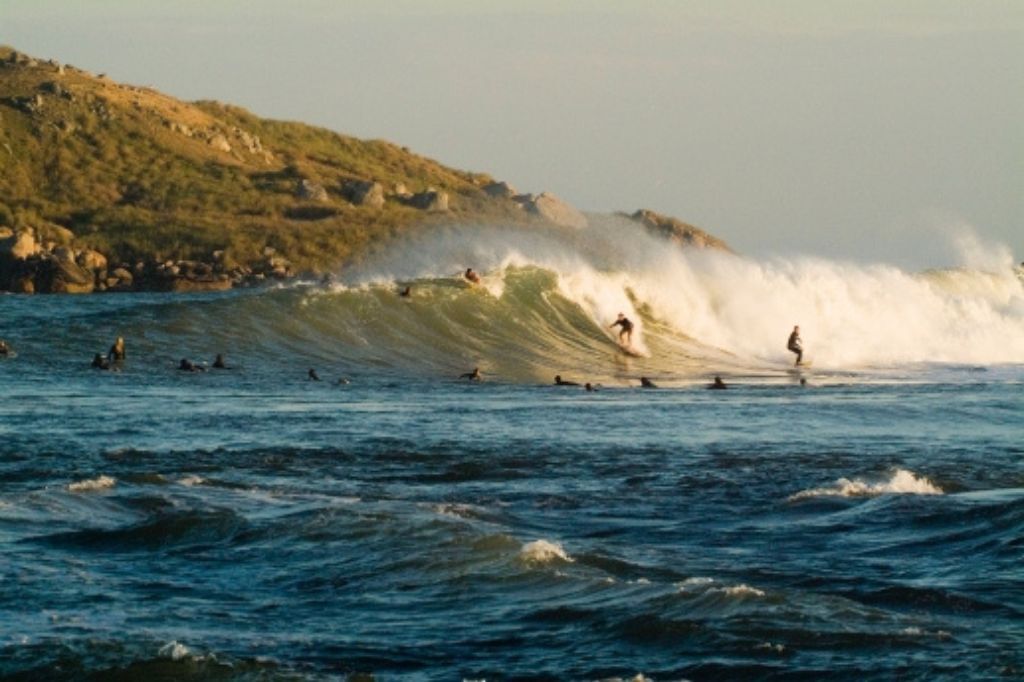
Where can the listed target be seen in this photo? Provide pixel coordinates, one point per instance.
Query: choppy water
(250, 524)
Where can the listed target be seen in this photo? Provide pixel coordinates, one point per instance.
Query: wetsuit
(795, 346)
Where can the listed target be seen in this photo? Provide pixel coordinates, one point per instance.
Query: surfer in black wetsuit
(406, 292)
(795, 345)
(117, 351)
(187, 365)
(100, 362)
(218, 362)
(647, 383)
(560, 382)
(717, 384)
(590, 387)
(472, 376)
(312, 375)
(471, 276)
(626, 331)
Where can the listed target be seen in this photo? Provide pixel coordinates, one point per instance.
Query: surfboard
(629, 350)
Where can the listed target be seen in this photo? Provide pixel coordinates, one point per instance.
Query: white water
(902, 482)
(850, 315)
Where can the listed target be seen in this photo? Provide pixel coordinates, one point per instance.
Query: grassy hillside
(139, 175)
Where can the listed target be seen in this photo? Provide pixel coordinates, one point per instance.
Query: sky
(863, 130)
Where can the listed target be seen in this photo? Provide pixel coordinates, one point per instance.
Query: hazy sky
(866, 130)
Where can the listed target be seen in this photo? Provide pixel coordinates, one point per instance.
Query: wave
(901, 482)
(547, 299)
(87, 485)
(544, 552)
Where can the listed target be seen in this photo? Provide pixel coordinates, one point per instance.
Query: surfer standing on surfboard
(795, 345)
(626, 331)
(471, 276)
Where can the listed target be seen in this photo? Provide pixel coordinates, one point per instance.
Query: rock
(401, 191)
(365, 193)
(677, 231)
(64, 254)
(554, 210)
(6, 233)
(430, 200)
(311, 190)
(91, 260)
(501, 190)
(220, 143)
(122, 278)
(57, 276)
(20, 246)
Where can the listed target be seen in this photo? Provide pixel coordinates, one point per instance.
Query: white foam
(851, 315)
(741, 590)
(543, 551)
(90, 484)
(174, 651)
(902, 482)
(192, 480)
(693, 583)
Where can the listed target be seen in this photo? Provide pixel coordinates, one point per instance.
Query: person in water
(313, 376)
(717, 384)
(627, 329)
(647, 383)
(5, 350)
(100, 362)
(187, 365)
(590, 387)
(795, 345)
(117, 351)
(472, 376)
(472, 276)
(560, 382)
(406, 292)
(218, 362)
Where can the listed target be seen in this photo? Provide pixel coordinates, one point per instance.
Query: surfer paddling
(795, 345)
(717, 385)
(626, 332)
(559, 381)
(472, 376)
(471, 276)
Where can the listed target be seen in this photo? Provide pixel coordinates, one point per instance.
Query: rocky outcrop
(676, 231)
(429, 200)
(364, 193)
(500, 190)
(552, 209)
(19, 246)
(311, 191)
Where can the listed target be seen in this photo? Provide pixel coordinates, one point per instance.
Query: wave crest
(902, 482)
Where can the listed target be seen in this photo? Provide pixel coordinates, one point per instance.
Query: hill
(111, 186)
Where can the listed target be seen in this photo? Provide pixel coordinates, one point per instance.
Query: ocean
(394, 521)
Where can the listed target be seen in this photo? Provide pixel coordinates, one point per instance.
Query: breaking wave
(902, 482)
(547, 299)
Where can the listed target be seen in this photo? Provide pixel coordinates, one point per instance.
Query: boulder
(122, 278)
(307, 189)
(554, 210)
(500, 190)
(220, 143)
(64, 254)
(91, 260)
(365, 193)
(430, 200)
(58, 276)
(20, 246)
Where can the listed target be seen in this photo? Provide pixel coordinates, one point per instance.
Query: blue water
(251, 524)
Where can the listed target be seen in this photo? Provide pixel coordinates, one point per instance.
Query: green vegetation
(139, 175)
